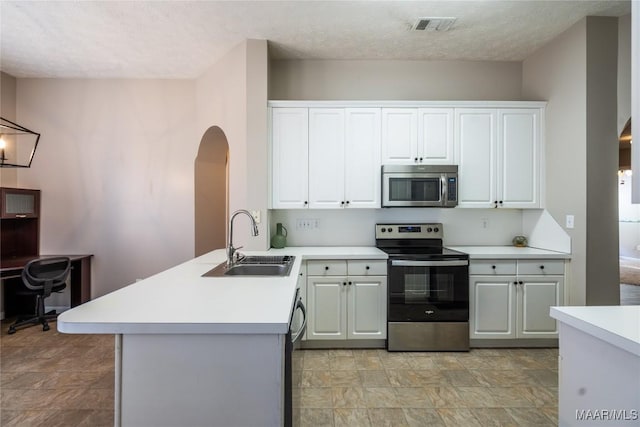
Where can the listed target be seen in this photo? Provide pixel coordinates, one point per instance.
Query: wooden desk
(80, 276)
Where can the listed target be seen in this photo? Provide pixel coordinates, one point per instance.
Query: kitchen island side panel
(197, 380)
(599, 383)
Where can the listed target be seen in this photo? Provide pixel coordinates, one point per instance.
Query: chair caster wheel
(12, 330)
(45, 327)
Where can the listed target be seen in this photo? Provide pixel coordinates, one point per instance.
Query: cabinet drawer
(367, 267)
(327, 268)
(541, 266)
(492, 267)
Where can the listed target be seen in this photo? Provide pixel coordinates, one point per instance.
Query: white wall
(629, 219)
(356, 227)
(8, 176)
(115, 166)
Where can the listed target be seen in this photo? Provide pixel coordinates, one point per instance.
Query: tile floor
(485, 387)
(53, 379)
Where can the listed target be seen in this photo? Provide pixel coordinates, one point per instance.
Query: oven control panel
(409, 231)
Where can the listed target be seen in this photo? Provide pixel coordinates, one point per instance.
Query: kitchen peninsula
(599, 369)
(194, 350)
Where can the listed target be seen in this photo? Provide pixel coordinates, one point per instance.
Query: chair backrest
(46, 273)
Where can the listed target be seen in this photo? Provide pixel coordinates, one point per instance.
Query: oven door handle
(411, 263)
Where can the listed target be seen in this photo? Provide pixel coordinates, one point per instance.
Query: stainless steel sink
(255, 266)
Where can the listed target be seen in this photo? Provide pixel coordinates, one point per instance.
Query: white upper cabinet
(328, 154)
(290, 145)
(417, 135)
(498, 154)
(399, 135)
(519, 162)
(344, 158)
(326, 158)
(476, 145)
(362, 158)
(435, 136)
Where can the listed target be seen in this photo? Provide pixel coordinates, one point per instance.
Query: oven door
(428, 290)
(413, 189)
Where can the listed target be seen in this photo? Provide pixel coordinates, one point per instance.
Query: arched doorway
(211, 191)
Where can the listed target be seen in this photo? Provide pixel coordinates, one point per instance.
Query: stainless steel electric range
(428, 289)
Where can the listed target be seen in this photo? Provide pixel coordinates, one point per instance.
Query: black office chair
(41, 277)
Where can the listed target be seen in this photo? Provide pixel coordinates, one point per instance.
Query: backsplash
(355, 227)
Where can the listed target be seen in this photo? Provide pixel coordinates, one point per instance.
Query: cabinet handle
(515, 283)
(326, 267)
(306, 203)
(501, 202)
(542, 267)
(347, 202)
(415, 159)
(421, 159)
(344, 283)
(349, 283)
(493, 267)
(21, 216)
(520, 282)
(367, 267)
(342, 203)
(495, 203)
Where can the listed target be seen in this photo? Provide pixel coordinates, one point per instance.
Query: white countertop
(617, 325)
(509, 252)
(179, 300)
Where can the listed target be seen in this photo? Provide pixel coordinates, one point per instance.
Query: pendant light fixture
(17, 145)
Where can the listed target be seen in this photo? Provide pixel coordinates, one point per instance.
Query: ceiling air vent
(433, 24)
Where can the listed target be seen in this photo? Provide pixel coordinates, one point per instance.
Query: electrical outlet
(256, 216)
(569, 221)
(307, 224)
(484, 222)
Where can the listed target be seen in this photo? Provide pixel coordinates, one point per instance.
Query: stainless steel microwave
(419, 186)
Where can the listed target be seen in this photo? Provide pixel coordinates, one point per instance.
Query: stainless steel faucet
(232, 254)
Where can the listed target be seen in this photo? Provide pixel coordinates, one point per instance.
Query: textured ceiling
(181, 39)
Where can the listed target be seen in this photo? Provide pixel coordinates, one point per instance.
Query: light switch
(569, 221)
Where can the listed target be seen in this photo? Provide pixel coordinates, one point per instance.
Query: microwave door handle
(407, 263)
(443, 189)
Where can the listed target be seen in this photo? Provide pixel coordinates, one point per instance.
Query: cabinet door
(475, 146)
(519, 158)
(326, 158)
(290, 144)
(399, 135)
(19, 203)
(492, 306)
(327, 309)
(362, 157)
(367, 307)
(535, 296)
(435, 136)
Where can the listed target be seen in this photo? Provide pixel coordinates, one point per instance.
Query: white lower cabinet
(511, 298)
(341, 305)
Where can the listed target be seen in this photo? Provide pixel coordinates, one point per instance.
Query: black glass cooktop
(424, 252)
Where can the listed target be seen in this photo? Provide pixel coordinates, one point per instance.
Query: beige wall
(576, 74)
(624, 71)
(603, 272)
(232, 95)
(395, 80)
(8, 176)
(115, 166)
